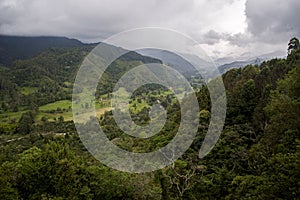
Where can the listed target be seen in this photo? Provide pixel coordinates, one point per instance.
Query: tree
(61, 119)
(25, 123)
(293, 45)
(247, 101)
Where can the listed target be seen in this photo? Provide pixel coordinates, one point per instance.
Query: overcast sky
(222, 27)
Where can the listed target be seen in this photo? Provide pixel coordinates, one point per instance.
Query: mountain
(250, 61)
(51, 72)
(18, 47)
(249, 56)
(224, 60)
(275, 54)
(132, 55)
(239, 64)
(176, 61)
(207, 68)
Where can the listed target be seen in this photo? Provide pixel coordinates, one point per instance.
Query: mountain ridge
(24, 47)
(256, 60)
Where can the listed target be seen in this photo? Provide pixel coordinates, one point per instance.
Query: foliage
(256, 157)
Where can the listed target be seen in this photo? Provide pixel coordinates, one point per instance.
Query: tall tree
(293, 45)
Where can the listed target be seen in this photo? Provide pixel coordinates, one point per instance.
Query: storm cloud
(223, 27)
(273, 20)
(269, 26)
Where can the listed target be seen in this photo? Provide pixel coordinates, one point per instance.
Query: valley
(42, 156)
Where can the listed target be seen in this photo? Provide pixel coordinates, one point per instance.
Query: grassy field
(52, 113)
(9, 117)
(13, 117)
(101, 107)
(68, 116)
(102, 104)
(63, 104)
(68, 84)
(86, 116)
(136, 107)
(28, 90)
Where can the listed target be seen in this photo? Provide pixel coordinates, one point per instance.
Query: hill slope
(17, 47)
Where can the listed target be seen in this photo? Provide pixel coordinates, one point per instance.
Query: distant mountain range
(170, 59)
(225, 64)
(239, 64)
(14, 48)
(193, 67)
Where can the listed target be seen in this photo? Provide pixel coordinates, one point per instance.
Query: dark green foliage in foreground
(53, 171)
(256, 157)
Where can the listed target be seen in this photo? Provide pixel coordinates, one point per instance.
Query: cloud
(223, 27)
(272, 20)
(85, 17)
(88, 18)
(269, 26)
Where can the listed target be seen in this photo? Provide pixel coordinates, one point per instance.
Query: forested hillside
(17, 47)
(256, 157)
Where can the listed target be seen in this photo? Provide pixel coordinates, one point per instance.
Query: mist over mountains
(14, 48)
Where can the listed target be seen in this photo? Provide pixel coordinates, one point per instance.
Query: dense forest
(42, 156)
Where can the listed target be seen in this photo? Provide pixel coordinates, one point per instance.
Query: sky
(223, 28)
